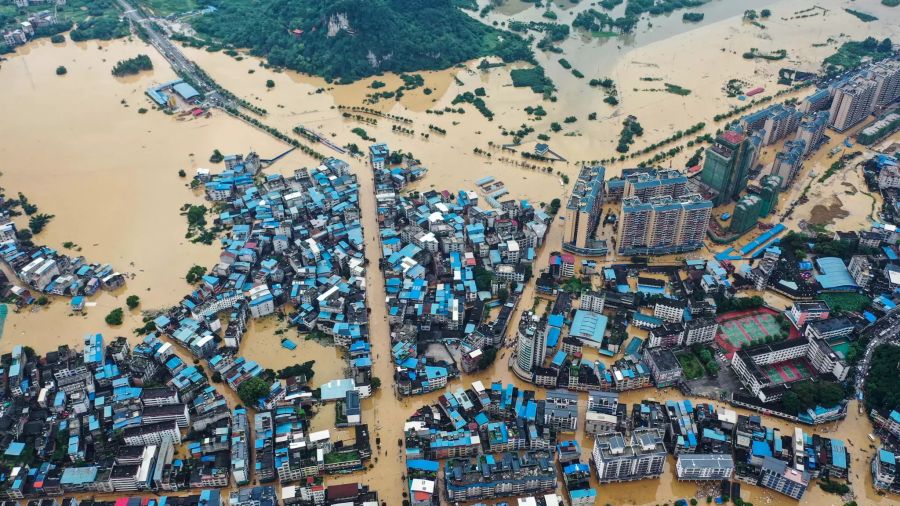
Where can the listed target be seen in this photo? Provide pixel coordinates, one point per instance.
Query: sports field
(786, 372)
(739, 332)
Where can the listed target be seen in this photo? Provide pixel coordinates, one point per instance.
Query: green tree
(132, 66)
(554, 207)
(115, 317)
(376, 383)
(883, 380)
(195, 273)
(488, 355)
(270, 83)
(196, 216)
(305, 369)
(483, 278)
(133, 301)
(38, 221)
(61, 71)
(252, 390)
(216, 157)
(765, 13)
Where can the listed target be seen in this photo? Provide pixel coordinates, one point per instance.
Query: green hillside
(352, 39)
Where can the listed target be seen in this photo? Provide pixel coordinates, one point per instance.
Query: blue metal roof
(834, 274)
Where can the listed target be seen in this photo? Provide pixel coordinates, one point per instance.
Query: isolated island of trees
(132, 66)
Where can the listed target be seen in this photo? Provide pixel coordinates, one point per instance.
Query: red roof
(345, 491)
(732, 136)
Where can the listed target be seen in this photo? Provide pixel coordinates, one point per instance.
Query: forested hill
(352, 39)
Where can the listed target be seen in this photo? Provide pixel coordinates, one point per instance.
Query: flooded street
(78, 148)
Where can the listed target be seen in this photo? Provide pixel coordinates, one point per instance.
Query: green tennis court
(786, 372)
(742, 331)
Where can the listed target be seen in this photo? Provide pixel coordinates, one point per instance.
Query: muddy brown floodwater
(77, 146)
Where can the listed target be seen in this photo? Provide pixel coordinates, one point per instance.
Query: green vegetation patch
(168, 7)
(132, 66)
(806, 394)
(690, 365)
(882, 381)
(353, 39)
(776, 55)
(862, 16)
(839, 302)
(533, 78)
(677, 90)
(851, 54)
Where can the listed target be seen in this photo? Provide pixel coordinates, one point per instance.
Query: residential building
(151, 434)
(378, 156)
(664, 367)
(770, 187)
(647, 183)
(499, 475)
(853, 101)
(812, 130)
(583, 213)
(789, 161)
(670, 310)
(531, 346)
(830, 328)
(704, 466)
(603, 402)
(780, 122)
(861, 269)
(700, 330)
(640, 458)
(778, 476)
(240, 449)
(663, 225)
(668, 335)
(599, 423)
(561, 410)
(746, 214)
(889, 177)
(884, 471)
(886, 75)
(592, 301)
(803, 312)
(727, 166)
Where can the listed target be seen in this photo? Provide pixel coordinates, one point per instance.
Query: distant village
(501, 440)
